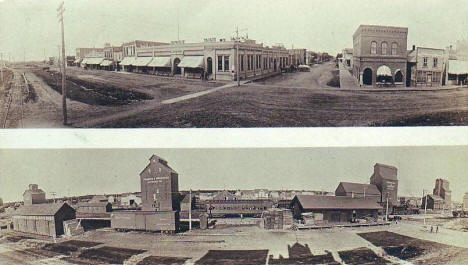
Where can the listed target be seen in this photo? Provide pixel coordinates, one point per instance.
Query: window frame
(373, 48)
(384, 50)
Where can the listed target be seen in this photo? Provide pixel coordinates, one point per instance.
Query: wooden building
(34, 195)
(434, 202)
(42, 219)
(358, 190)
(237, 207)
(335, 209)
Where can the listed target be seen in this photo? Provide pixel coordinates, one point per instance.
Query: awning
(160, 62)
(94, 60)
(128, 61)
(142, 61)
(85, 60)
(384, 71)
(78, 60)
(457, 67)
(106, 63)
(192, 62)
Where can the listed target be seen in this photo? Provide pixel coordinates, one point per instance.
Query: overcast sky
(30, 27)
(98, 171)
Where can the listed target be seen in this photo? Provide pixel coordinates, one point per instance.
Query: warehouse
(358, 190)
(222, 208)
(337, 209)
(43, 219)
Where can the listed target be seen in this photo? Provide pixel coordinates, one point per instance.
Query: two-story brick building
(380, 55)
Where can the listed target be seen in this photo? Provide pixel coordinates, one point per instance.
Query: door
(429, 79)
(209, 65)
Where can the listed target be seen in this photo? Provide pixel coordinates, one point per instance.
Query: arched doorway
(177, 70)
(398, 76)
(367, 77)
(384, 75)
(209, 65)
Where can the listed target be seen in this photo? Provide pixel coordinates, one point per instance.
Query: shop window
(220, 63)
(226, 63)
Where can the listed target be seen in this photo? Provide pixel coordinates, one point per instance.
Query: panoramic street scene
(356, 205)
(161, 64)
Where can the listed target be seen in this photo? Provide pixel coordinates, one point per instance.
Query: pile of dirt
(361, 256)
(234, 257)
(335, 81)
(105, 255)
(151, 260)
(92, 93)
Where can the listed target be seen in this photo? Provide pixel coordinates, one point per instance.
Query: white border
(234, 138)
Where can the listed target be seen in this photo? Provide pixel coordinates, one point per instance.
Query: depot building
(212, 59)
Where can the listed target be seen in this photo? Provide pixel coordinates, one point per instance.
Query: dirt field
(241, 245)
(272, 106)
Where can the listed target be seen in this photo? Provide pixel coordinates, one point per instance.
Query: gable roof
(43, 209)
(370, 189)
(312, 202)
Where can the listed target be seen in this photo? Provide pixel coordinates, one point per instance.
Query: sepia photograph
(224, 64)
(348, 205)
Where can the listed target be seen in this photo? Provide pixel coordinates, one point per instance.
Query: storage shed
(335, 209)
(43, 219)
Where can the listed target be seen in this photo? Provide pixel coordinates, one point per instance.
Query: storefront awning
(457, 67)
(85, 60)
(106, 63)
(128, 61)
(160, 62)
(94, 60)
(192, 62)
(77, 61)
(384, 71)
(142, 61)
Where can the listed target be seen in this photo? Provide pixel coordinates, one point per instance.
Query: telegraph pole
(190, 210)
(237, 57)
(60, 11)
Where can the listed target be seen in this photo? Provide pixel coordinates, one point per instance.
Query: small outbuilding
(43, 219)
(335, 209)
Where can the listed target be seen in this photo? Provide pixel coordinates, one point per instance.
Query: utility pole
(237, 56)
(60, 11)
(59, 60)
(386, 211)
(425, 207)
(190, 210)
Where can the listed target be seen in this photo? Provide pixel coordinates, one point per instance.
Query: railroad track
(14, 109)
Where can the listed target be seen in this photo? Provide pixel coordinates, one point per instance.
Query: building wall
(237, 207)
(388, 187)
(429, 67)
(465, 202)
(363, 58)
(442, 189)
(159, 187)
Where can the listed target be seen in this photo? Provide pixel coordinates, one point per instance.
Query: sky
(29, 29)
(98, 171)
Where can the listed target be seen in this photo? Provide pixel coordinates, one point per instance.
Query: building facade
(297, 56)
(380, 55)
(89, 52)
(348, 57)
(442, 189)
(34, 195)
(432, 202)
(465, 202)
(426, 66)
(159, 186)
(386, 180)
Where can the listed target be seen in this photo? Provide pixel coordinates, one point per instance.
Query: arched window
(384, 47)
(394, 48)
(373, 49)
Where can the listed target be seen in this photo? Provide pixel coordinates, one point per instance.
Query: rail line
(14, 112)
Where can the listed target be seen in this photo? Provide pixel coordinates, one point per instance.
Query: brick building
(380, 55)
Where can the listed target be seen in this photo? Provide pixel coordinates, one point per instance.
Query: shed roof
(43, 209)
(370, 189)
(160, 62)
(106, 63)
(94, 60)
(311, 202)
(128, 61)
(142, 61)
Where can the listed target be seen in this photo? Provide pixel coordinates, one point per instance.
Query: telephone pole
(237, 56)
(60, 11)
(190, 210)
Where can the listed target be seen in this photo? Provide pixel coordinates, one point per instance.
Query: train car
(224, 208)
(163, 221)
